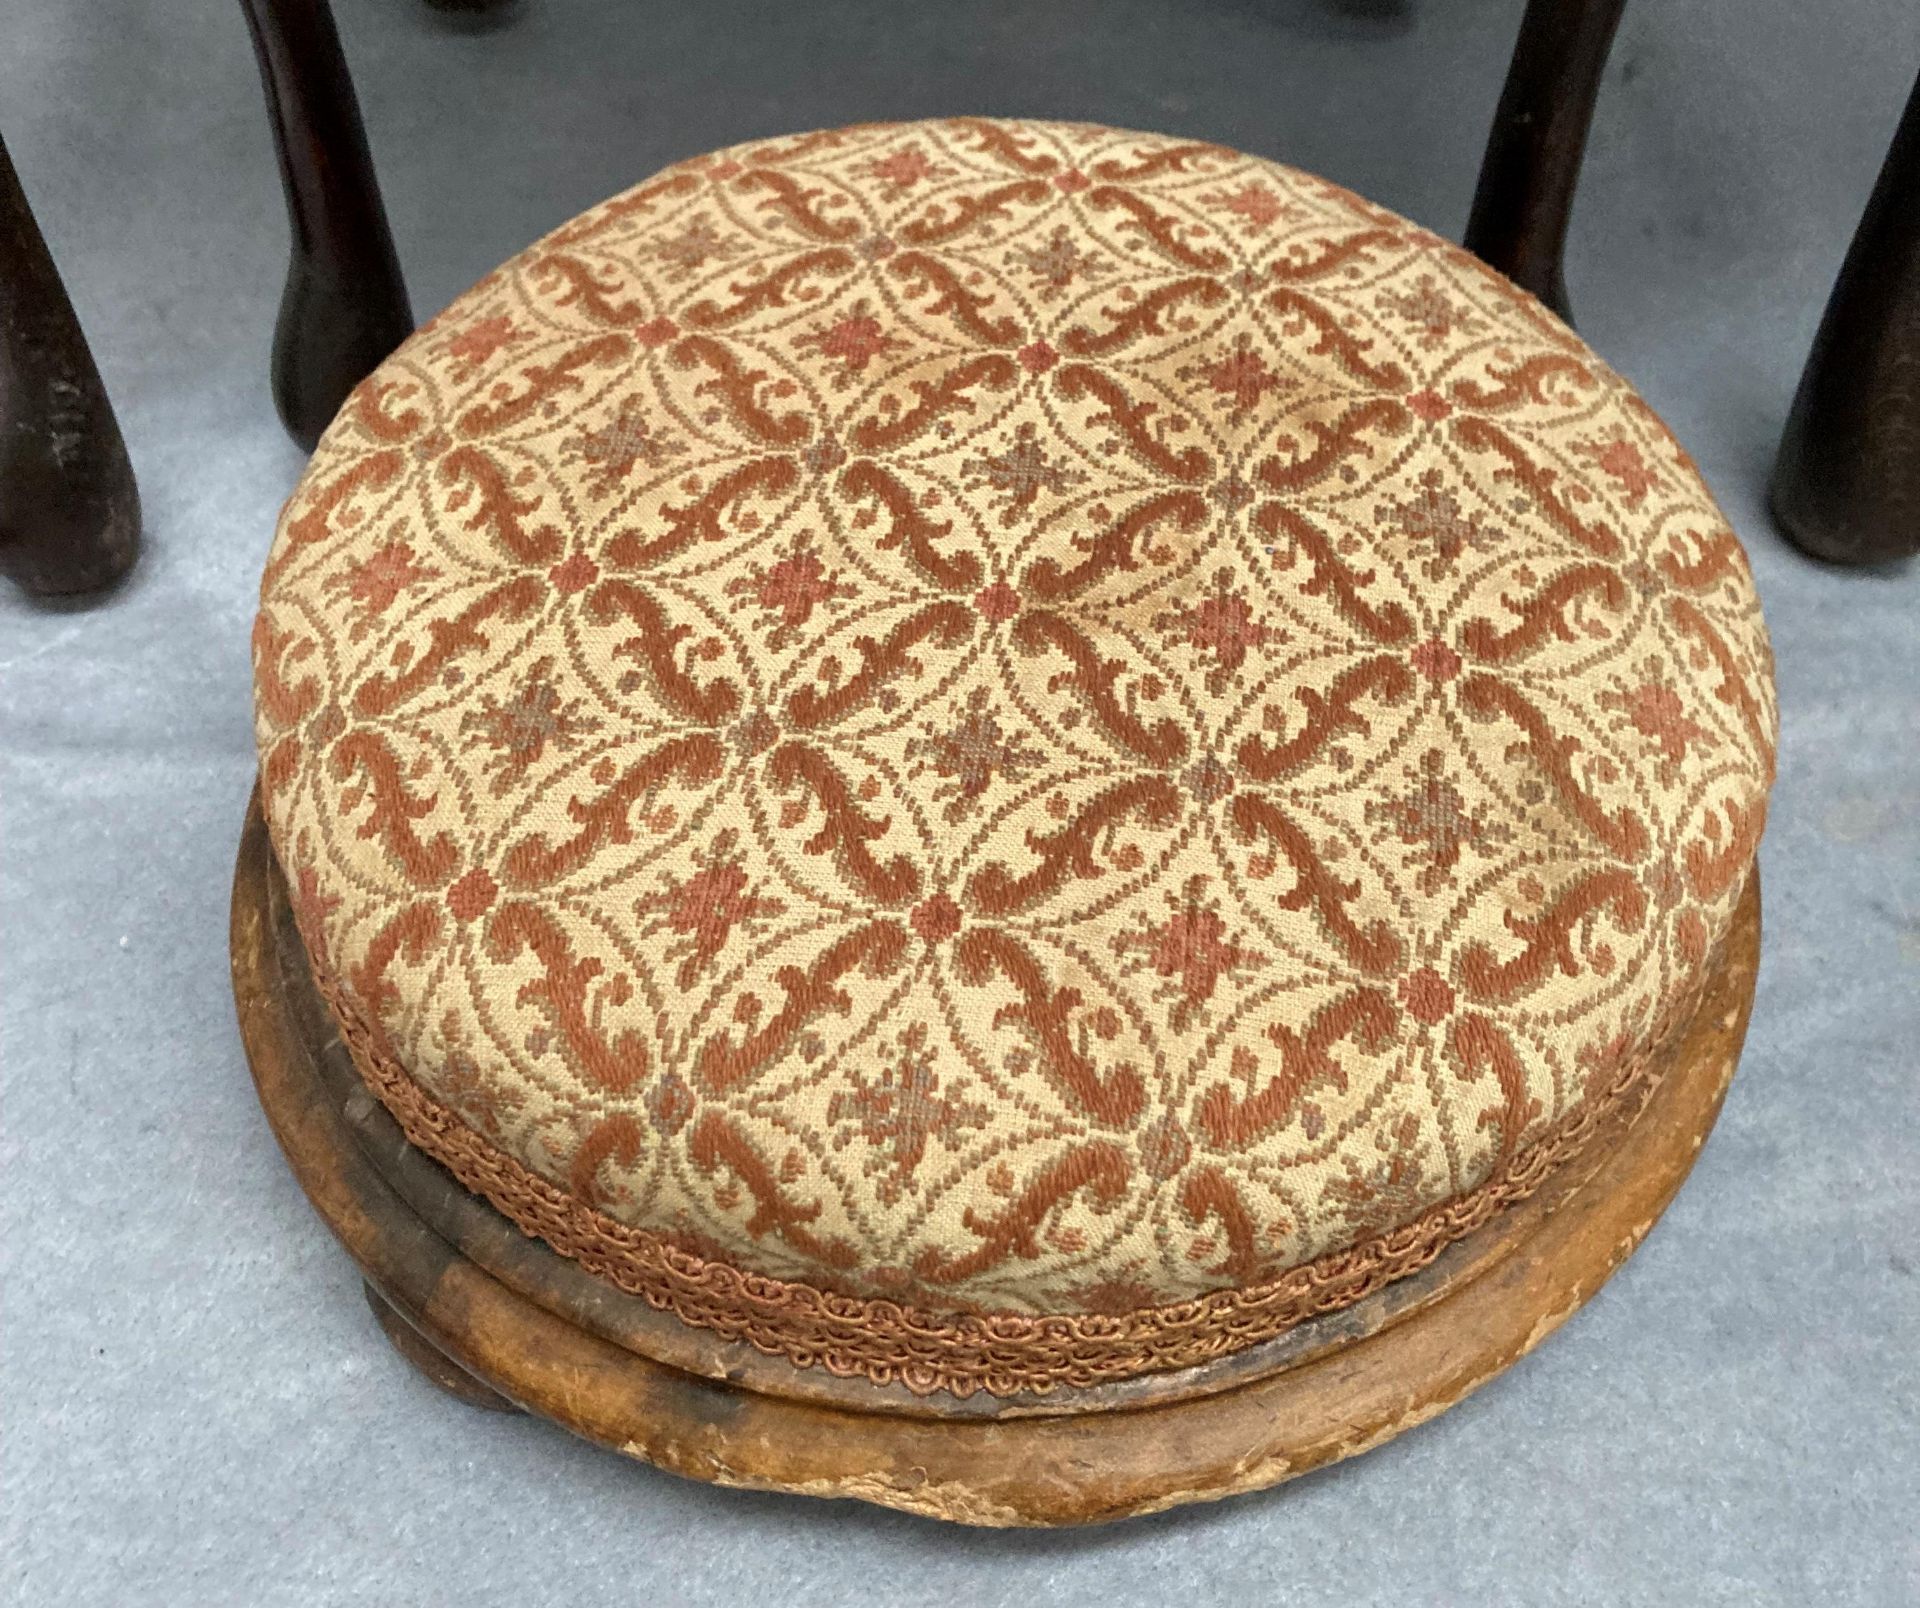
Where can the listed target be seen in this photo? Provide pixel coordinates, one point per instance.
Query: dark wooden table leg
(345, 305)
(69, 509)
(1532, 165)
(1846, 486)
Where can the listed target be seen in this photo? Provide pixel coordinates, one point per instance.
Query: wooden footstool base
(500, 1320)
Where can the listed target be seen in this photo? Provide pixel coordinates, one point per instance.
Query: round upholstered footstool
(1021, 820)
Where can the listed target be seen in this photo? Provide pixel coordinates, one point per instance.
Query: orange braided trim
(1004, 1354)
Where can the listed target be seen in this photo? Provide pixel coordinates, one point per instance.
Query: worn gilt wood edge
(1076, 1468)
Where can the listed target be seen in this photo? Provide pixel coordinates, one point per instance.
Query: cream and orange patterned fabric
(1005, 755)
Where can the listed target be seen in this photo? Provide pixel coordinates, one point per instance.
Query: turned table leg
(430, 1360)
(345, 305)
(69, 509)
(1532, 165)
(1846, 485)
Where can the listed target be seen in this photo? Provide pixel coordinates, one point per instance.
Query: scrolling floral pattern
(1000, 755)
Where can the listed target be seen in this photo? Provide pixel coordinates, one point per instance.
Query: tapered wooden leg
(1532, 165)
(431, 1361)
(345, 305)
(69, 509)
(1846, 486)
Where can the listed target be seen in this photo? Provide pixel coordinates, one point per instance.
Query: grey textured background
(194, 1404)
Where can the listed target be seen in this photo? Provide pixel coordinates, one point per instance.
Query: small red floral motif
(478, 342)
(708, 906)
(1193, 946)
(795, 585)
(722, 171)
(855, 341)
(1621, 459)
(1224, 626)
(1038, 357)
(703, 911)
(656, 332)
(997, 602)
(936, 918)
(1071, 182)
(1241, 374)
(1427, 995)
(1657, 712)
(1429, 405)
(573, 574)
(1435, 660)
(382, 576)
(1222, 623)
(902, 169)
(1259, 207)
(789, 590)
(469, 897)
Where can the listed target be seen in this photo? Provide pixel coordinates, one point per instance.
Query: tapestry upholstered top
(1005, 755)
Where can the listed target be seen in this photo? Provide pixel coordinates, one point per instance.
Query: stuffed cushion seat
(1003, 756)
